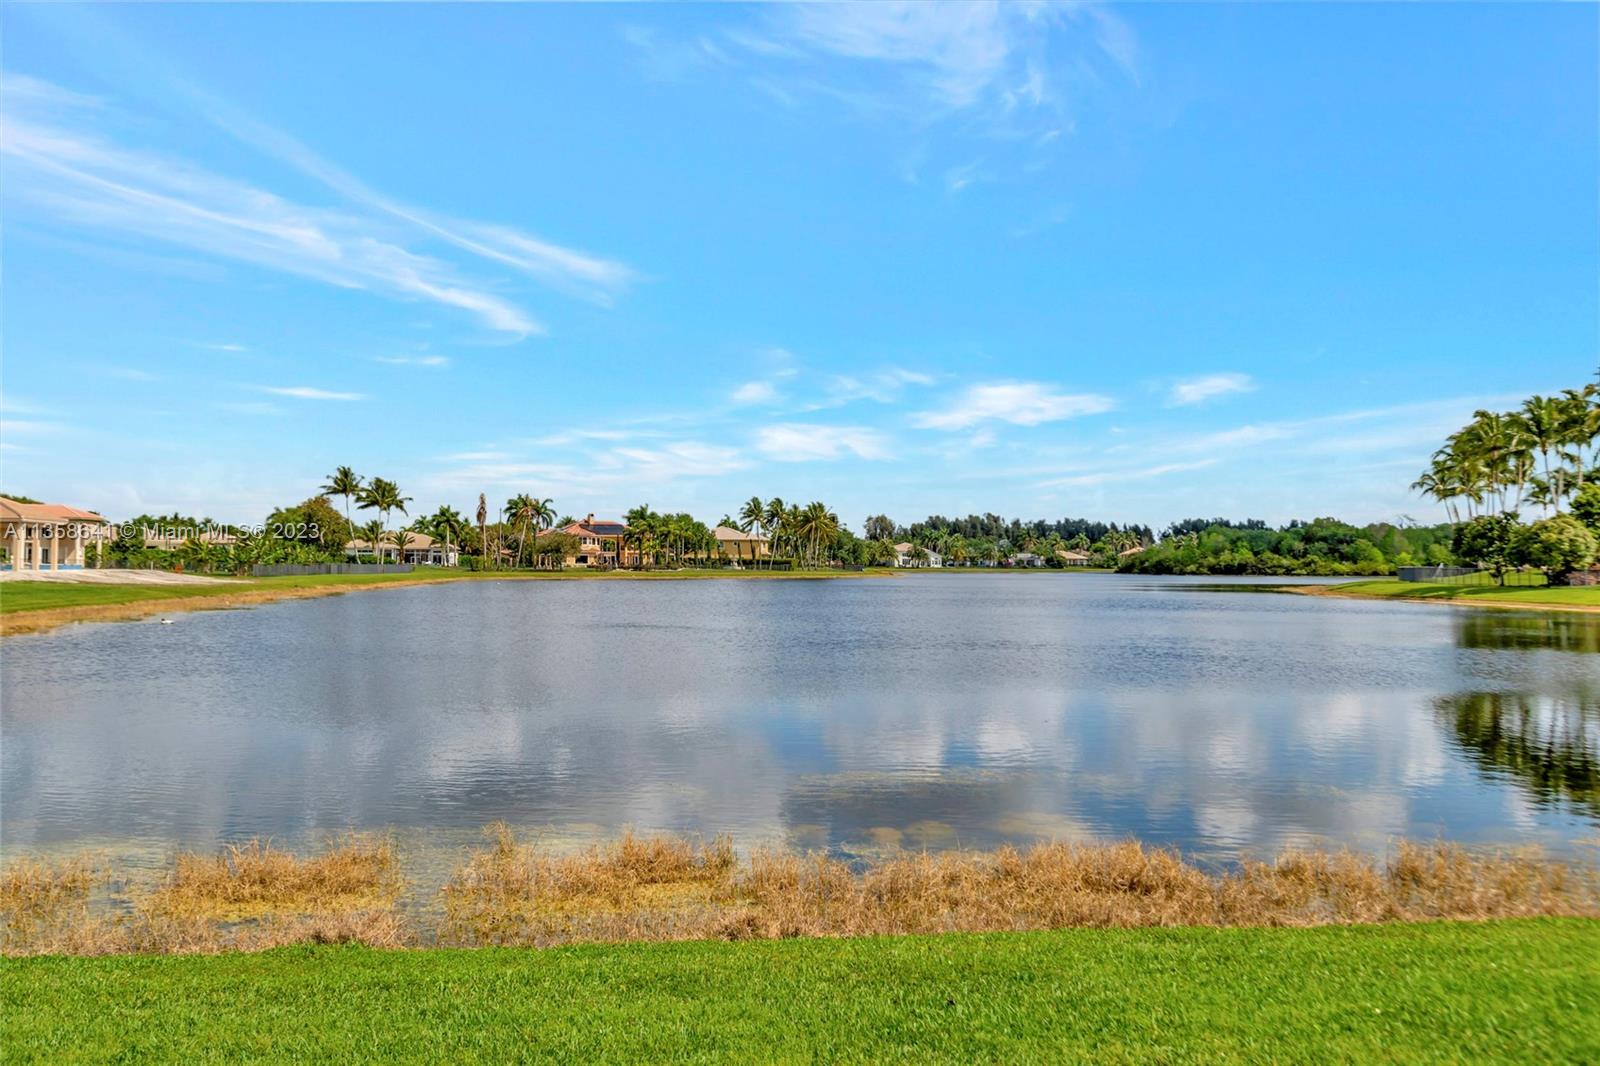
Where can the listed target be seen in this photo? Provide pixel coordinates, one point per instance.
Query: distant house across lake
(421, 550)
(1072, 557)
(600, 543)
(909, 555)
(47, 536)
(740, 546)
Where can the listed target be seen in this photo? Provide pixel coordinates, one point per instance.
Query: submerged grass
(247, 897)
(657, 888)
(248, 880)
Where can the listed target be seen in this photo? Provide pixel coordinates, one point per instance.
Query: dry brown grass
(513, 894)
(509, 893)
(253, 879)
(671, 888)
(247, 897)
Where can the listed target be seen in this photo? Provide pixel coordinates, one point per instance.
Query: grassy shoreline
(1434, 992)
(1540, 598)
(508, 893)
(36, 606)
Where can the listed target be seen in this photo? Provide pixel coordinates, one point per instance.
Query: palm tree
(753, 516)
(644, 527)
(519, 509)
(544, 516)
(347, 483)
(774, 522)
(401, 539)
(372, 533)
(483, 527)
(816, 525)
(384, 496)
(1580, 426)
(1541, 421)
(446, 524)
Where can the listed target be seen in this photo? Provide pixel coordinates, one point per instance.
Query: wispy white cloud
(956, 50)
(952, 57)
(438, 361)
(688, 458)
(755, 392)
(884, 386)
(958, 178)
(1021, 403)
(129, 373)
(308, 392)
(226, 347)
(1208, 387)
(1102, 477)
(250, 408)
(794, 442)
(62, 165)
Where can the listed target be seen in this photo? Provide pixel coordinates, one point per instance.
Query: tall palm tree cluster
(375, 494)
(665, 539)
(1538, 454)
(805, 534)
(528, 515)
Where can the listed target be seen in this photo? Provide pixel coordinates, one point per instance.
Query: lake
(932, 710)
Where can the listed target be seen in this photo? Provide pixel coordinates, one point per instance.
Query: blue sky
(1132, 263)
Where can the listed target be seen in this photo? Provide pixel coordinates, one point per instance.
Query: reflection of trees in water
(1550, 744)
(1495, 630)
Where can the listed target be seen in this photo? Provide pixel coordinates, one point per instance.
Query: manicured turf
(1490, 594)
(18, 596)
(1517, 991)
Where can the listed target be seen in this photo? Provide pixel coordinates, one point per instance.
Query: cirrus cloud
(1021, 403)
(1209, 387)
(795, 442)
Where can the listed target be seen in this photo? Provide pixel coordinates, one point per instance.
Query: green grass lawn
(1443, 992)
(1585, 596)
(16, 596)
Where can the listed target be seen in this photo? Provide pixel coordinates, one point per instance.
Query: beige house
(1135, 550)
(600, 544)
(48, 536)
(421, 550)
(1072, 557)
(740, 546)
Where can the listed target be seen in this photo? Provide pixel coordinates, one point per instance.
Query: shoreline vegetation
(40, 606)
(1432, 992)
(356, 889)
(1573, 599)
(36, 606)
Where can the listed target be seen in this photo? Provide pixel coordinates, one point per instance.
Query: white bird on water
(166, 621)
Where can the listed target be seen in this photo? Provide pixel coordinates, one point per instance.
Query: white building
(421, 550)
(905, 555)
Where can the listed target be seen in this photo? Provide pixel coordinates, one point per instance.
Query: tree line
(1540, 455)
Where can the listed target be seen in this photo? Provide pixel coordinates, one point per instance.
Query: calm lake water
(932, 710)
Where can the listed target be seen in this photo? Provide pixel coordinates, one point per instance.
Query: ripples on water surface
(933, 710)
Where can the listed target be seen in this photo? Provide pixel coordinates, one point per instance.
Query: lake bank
(1582, 600)
(1488, 991)
(38, 606)
(363, 888)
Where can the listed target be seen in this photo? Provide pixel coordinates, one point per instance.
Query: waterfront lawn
(1490, 594)
(50, 595)
(1439, 992)
(20, 596)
